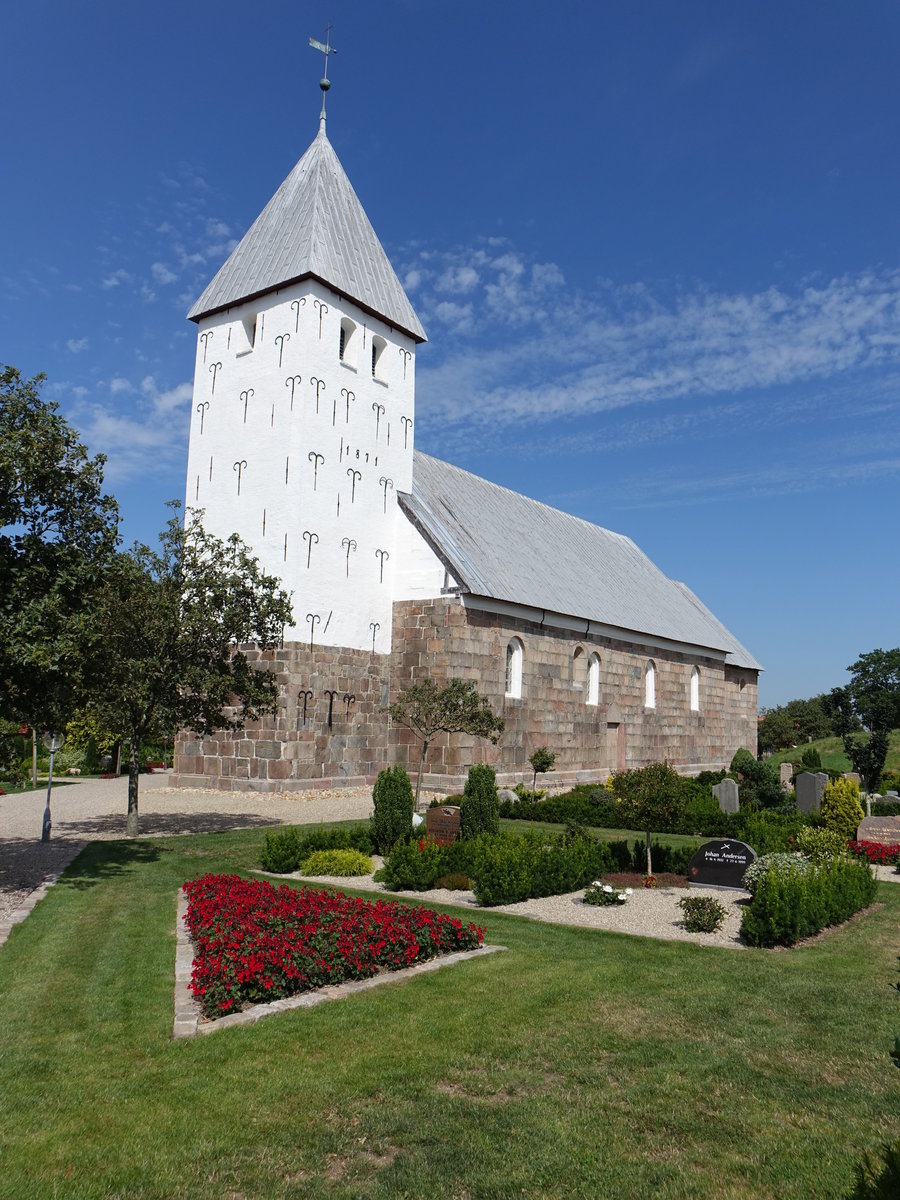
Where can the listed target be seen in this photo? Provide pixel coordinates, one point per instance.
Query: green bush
(791, 905)
(811, 760)
(759, 784)
(416, 866)
(285, 848)
(336, 862)
(281, 850)
(656, 791)
(507, 868)
(821, 845)
(841, 809)
(781, 863)
(702, 914)
(666, 859)
(479, 809)
(394, 802)
(605, 895)
(878, 1177)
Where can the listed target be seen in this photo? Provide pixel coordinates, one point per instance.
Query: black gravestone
(721, 863)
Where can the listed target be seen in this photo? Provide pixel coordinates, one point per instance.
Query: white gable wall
(344, 500)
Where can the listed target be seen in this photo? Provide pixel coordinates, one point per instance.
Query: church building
(403, 567)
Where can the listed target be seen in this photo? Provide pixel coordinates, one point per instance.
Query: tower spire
(324, 83)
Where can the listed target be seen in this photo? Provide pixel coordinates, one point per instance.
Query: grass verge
(577, 1064)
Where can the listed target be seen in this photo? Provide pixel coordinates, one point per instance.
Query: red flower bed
(875, 852)
(255, 942)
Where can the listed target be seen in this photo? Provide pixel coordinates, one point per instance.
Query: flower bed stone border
(189, 1020)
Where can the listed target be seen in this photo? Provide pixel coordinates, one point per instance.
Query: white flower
(596, 883)
(629, 891)
(622, 897)
(607, 888)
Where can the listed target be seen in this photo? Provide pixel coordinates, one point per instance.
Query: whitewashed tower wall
(302, 453)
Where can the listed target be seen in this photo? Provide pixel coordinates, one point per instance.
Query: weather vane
(326, 48)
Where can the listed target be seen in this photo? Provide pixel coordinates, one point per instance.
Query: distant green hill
(831, 752)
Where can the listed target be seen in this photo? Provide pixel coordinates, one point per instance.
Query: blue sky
(655, 247)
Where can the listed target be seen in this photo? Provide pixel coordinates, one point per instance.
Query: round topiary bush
(337, 862)
(841, 809)
(479, 808)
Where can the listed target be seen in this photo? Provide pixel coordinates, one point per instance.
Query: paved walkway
(94, 810)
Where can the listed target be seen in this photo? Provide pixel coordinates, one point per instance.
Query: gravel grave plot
(649, 912)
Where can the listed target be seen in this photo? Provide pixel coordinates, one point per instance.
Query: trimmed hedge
(765, 830)
(285, 848)
(505, 867)
(345, 863)
(394, 802)
(788, 906)
(479, 809)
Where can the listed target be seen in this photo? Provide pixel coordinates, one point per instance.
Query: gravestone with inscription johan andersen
(442, 823)
(721, 863)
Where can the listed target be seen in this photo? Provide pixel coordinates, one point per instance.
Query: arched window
(514, 656)
(695, 689)
(593, 693)
(650, 685)
(378, 345)
(347, 345)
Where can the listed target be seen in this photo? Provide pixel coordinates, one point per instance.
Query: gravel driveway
(94, 810)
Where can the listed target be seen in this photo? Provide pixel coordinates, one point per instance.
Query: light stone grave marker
(787, 774)
(726, 793)
(884, 830)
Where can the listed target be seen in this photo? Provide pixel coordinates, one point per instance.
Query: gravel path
(648, 912)
(94, 810)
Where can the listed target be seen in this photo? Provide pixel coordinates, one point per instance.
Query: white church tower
(303, 407)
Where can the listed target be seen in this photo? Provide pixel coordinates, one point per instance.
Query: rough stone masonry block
(268, 749)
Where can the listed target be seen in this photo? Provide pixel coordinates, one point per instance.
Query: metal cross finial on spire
(324, 82)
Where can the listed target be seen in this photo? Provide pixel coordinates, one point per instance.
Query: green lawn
(578, 1064)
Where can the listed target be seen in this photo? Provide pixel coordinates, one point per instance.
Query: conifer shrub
(415, 866)
(479, 809)
(336, 862)
(281, 850)
(790, 905)
(394, 802)
(811, 760)
(841, 809)
(508, 868)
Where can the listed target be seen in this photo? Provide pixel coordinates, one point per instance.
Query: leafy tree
(651, 798)
(776, 731)
(58, 531)
(174, 622)
(542, 760)
(759, 784)
(428, 710)
(872, 697)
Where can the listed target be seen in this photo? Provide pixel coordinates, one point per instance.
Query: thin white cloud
(115, 278)
(118, 386)
(161, 273)
(77, 345)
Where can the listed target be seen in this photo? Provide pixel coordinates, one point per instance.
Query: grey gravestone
(508, 794)
(442, 824)
(721, 863)
(892, 795)
(726, 793)
(854, 775)
(884, 830)
(809, 790)
(787, 774)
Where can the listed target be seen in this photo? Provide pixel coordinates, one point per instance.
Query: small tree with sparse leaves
(458, 707)
(542, 760)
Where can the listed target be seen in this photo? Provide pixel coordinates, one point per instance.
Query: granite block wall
(330, 729)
